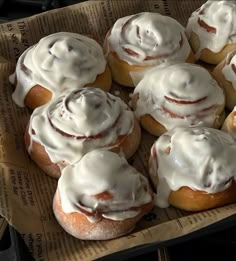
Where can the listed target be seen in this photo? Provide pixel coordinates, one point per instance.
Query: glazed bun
(194, 168)
(62, 131)
(229, 124)
(212, 30)
(101, 197)
(225, 74)
(178, 95)
(59, 62)
(138, 42)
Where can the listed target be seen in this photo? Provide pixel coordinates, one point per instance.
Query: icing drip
(102, 183)
(200, 158)
(78, 122)
(214, 24)
(148, 39)
(179, 95)
(229, 70)
(59, 62)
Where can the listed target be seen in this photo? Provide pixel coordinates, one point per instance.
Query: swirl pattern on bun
(62, 131)
(212, 30)
(57, 63)
(101, 197)
(143, 40)
(178, 95)
(193, 168)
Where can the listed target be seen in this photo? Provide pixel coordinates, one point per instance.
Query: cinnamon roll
(63, 130)
(178, 95)
(57, 63)
(138, 42)
(225, 73)
(212, 30)
(193, 168)
(229, 124)
(101, 197)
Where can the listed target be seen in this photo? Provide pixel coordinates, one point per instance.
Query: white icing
(59, 62)
(229, 73)
(102, 171)
(130, 104)
(117, 93)
(79, 115)
(164, 86)
(220, 15)
(200, 158)
(153, 37)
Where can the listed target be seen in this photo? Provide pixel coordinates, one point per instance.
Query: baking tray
(221, 235)
(211, 233)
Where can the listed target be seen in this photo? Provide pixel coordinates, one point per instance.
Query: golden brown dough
(125, 144)
(191, 200)
(80, 227)
(230, 91)
(229, 124)
(137, 43)
(122, 71)
(101, 197)
(39, 95)
(57, 63)
(211, 30)
(194, 179)
(62, 131)
(207, 55)
(159, 101)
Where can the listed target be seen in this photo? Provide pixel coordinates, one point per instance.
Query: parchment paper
(26, 193)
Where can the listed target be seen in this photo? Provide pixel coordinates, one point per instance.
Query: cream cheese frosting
(148, 39)
(229, 70)
(214, 24)
(200, 158)
(79, 121)
(98, 172)
(58, 62)
(179, 95)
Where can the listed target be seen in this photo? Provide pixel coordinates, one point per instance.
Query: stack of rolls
(83, 135)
